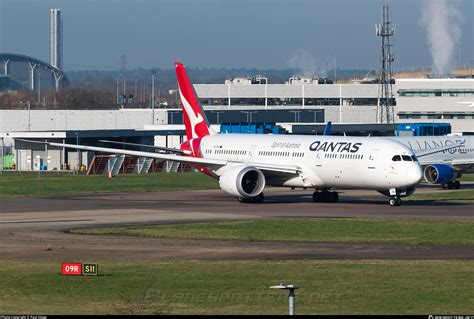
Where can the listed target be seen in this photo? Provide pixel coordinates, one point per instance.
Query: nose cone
(414, 174)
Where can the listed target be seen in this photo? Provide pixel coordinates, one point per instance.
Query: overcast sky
(229, 33)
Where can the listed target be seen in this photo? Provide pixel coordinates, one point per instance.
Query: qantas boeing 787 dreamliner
(246, 163)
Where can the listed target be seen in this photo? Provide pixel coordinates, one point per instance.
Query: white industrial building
(417, 100)
(341, 103)
(437, 100)
(73, 120)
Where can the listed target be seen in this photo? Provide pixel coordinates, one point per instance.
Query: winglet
(327, 129)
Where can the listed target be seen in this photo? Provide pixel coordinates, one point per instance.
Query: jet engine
(439, 173)
(242, 181)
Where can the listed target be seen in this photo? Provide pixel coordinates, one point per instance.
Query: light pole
(124, 86)
(39, 86)
(153, 72)
(29, 115)
(77, 144)
(291, 296)
(118, 76)
(135, 93)
(159, 95)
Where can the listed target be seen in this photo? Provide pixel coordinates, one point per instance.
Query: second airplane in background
(445, 167)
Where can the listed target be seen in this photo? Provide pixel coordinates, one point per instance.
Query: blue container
(252, 128)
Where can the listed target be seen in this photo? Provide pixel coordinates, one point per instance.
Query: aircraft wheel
(457, 185)
(333, 197)
(444, 186)
(254, 200)
(324, 197)
(258, 199)
(450, 185)
(317, 197)
(395, 201)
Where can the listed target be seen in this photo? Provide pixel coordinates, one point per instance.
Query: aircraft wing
(207, 162)
(159, 148)
(426, 152)
(465, 161)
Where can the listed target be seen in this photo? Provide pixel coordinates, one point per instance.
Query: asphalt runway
(37, 227)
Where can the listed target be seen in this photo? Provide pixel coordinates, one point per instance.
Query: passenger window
(406, 158)
(396, 158)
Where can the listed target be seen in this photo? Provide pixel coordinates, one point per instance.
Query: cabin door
(373, 158)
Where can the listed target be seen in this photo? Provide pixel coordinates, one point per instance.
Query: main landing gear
(451, 185)
(253, 200)
(325, 197)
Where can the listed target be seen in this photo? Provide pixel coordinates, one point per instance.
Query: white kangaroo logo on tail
(195, 120)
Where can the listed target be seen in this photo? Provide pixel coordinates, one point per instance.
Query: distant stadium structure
(22, 72)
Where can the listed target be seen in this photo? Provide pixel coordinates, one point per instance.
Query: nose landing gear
(395, 201)
(395, 197)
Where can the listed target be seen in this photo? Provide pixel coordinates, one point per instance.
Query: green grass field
(29, 184)
(462, 196)
(239, 287)
(467, 178)
(338, 230)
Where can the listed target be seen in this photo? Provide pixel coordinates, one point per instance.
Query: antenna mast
(385, 107)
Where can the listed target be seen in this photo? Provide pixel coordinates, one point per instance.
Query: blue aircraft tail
(327, 129)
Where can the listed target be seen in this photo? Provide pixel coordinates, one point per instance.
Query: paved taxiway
(36, 227)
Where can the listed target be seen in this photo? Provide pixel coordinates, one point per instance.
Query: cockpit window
(396, 158)
(413, 157)
(406, 158)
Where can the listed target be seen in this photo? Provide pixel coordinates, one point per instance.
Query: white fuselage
(463, 154)
(323, 161)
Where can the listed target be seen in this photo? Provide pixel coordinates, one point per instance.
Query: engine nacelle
(439, 173)
(242, 181)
